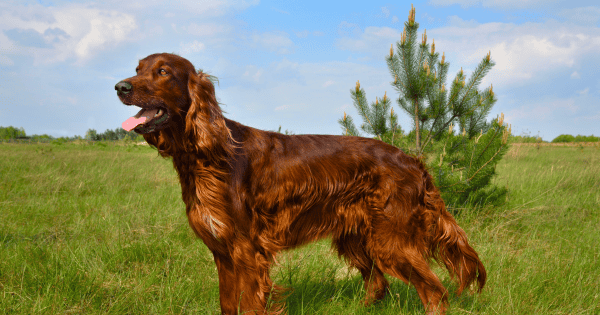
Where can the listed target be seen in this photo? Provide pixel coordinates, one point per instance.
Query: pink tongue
(133, 122)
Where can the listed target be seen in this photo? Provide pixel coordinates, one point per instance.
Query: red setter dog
(251, 193)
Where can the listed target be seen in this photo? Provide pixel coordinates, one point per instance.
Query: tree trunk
(417, 129)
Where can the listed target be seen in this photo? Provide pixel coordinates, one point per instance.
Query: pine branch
(489, 142)
(363, 108)
(454, 116)
(478, 75)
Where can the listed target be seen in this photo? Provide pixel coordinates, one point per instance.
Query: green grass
(102, 229)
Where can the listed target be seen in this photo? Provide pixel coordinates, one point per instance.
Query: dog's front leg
(244, 282)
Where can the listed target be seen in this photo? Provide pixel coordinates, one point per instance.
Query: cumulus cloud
(328, 83)
(385, 11)
(193, 47)
(282, 107)
(302, 34)
(290, 88)
(584, 16)
(27, 37)
(544, 110)
(281, 11)
(207, 8)
(209, 29)
(276, 41)
(583, 92)
(5, 61)
(501, 4)
(519, 51)
(305, 33)
(347, 29)
(372, 40)
(59, 33)
(253, 74)
(71, 31)
(103, 28)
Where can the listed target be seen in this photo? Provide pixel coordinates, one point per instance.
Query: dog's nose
(123, 87)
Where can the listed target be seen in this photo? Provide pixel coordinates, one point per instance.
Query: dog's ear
(204, 120)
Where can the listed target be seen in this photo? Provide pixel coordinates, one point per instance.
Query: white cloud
(534, 55)
(372, 38)
(276, 41)
(542, 111)
(583, 92)
(209, 29)
(280, 11)
(592, 117)
(455, 21)
(253, 74)
(462, 3)
(302, 34)
(584, 15)
(193, 47)
(289, 89)
(69, 31)
(521, 52)
(103, 28)
(282, 107)
(79, 31)
(502, 4)
(345, 29)
(206, 8)
(430, 19)
(6, 61)
(328, 83)
(385, 11)
(305, 33)
(286, 65)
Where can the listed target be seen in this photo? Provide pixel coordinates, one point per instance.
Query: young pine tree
(462, 163)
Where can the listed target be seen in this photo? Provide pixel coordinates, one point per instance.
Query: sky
(293, 63)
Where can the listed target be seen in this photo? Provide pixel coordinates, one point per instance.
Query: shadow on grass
(325, 296)
(469, 300)
(346, 296)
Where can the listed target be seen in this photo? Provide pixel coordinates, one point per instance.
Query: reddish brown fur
(251, 193)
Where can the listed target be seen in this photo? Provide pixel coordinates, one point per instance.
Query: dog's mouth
(147, 120)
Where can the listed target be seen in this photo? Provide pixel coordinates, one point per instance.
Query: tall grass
(543, 246)
(102, 229)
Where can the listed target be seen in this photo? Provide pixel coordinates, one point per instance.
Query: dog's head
(161, 88)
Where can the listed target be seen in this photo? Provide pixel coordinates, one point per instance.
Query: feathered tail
(449, 243)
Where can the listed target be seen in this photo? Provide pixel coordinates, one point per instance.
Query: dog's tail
(449, 243)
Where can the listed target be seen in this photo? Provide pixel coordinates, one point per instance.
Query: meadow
(101, 229)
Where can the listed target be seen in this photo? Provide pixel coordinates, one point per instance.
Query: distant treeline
(578, 138)
(12, 133)
(559, 139)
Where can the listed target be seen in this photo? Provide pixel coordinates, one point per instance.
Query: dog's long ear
(204, 122)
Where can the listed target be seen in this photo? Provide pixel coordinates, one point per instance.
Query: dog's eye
(162, 72)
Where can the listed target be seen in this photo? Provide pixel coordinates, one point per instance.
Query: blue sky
(294, 63)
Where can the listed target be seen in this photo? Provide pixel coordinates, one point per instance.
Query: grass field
(101, 229)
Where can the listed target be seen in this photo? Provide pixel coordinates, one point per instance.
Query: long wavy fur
(251, 193)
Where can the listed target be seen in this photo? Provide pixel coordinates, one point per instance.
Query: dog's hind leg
(352, 247)
(396, 256)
